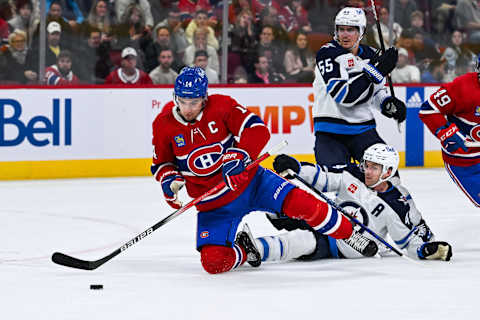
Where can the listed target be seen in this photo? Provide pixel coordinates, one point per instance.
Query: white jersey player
(371, 197)
(349, 83)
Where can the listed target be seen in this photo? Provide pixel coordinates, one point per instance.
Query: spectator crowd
(269, 41)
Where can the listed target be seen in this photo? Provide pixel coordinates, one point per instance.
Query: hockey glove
(172, 182)
(281, 221)
(284, 162)
(438, 250)
(394, 108)
(382, 65)
(450, 137)
(233, 169)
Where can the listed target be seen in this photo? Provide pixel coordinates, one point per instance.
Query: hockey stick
(72, 262)
(349, 216)
(382, 46)
(469, 142)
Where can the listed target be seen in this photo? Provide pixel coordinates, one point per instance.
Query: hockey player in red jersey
(200, 141)
(452, 114)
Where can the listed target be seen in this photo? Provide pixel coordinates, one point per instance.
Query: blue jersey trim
(342, 128)
(331, 84)
(342, 94)
(316, 177)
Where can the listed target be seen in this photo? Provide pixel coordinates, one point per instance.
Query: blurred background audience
(269, 41)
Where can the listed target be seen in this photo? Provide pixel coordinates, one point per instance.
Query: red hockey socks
(218, 259)
(299, 204)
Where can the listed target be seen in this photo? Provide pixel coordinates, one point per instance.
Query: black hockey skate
(366, 247)
(246, 241)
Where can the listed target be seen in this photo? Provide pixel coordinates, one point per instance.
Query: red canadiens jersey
(117, 77)
(457, 102)
(54, 77)
(196, 149)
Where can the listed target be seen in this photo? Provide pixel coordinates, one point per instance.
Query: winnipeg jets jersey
(457, 102)
(195, 149)
(392, 212)
(344, 96)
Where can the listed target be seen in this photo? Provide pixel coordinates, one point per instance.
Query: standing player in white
(349, 82)
(452, 114)
(366, 193)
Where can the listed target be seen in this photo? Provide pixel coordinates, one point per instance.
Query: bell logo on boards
(40, 130)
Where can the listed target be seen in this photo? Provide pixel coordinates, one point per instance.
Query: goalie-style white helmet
(354, 17)
(385, 155)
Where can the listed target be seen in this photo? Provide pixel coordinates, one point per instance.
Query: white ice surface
(161, 276)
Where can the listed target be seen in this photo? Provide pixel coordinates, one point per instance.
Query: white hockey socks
(286, 246)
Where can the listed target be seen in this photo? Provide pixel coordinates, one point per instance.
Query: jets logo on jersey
(351, 63)
(179, 140)
(206, 160)
(352, 188)
(357, 211)
(403, 200)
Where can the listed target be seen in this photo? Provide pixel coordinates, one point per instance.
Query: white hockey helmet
(385, 155)
(354, 17)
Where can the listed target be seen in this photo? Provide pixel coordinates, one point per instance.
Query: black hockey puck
(96, 286)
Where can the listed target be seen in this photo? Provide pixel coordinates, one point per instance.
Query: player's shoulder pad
(366, 52)
(397, 201)
(330, 50)
(221, 102)
(467, 80)
(166, 111)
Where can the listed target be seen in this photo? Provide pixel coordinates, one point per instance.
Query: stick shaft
(382, 47)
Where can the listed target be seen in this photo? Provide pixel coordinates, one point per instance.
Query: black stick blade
(68, 261)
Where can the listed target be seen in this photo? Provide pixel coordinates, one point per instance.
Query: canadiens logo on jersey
(475, 133)
(205, 160)
(352, 188)
(179, 140)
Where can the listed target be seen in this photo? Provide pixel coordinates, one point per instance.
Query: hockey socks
(286, 246)
(299, 204)
(219, 259)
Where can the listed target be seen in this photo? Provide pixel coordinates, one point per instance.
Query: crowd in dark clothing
(269, 41)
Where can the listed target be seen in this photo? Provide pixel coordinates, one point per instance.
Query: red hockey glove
(172, 182)
(233, 170)
(450, 137)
